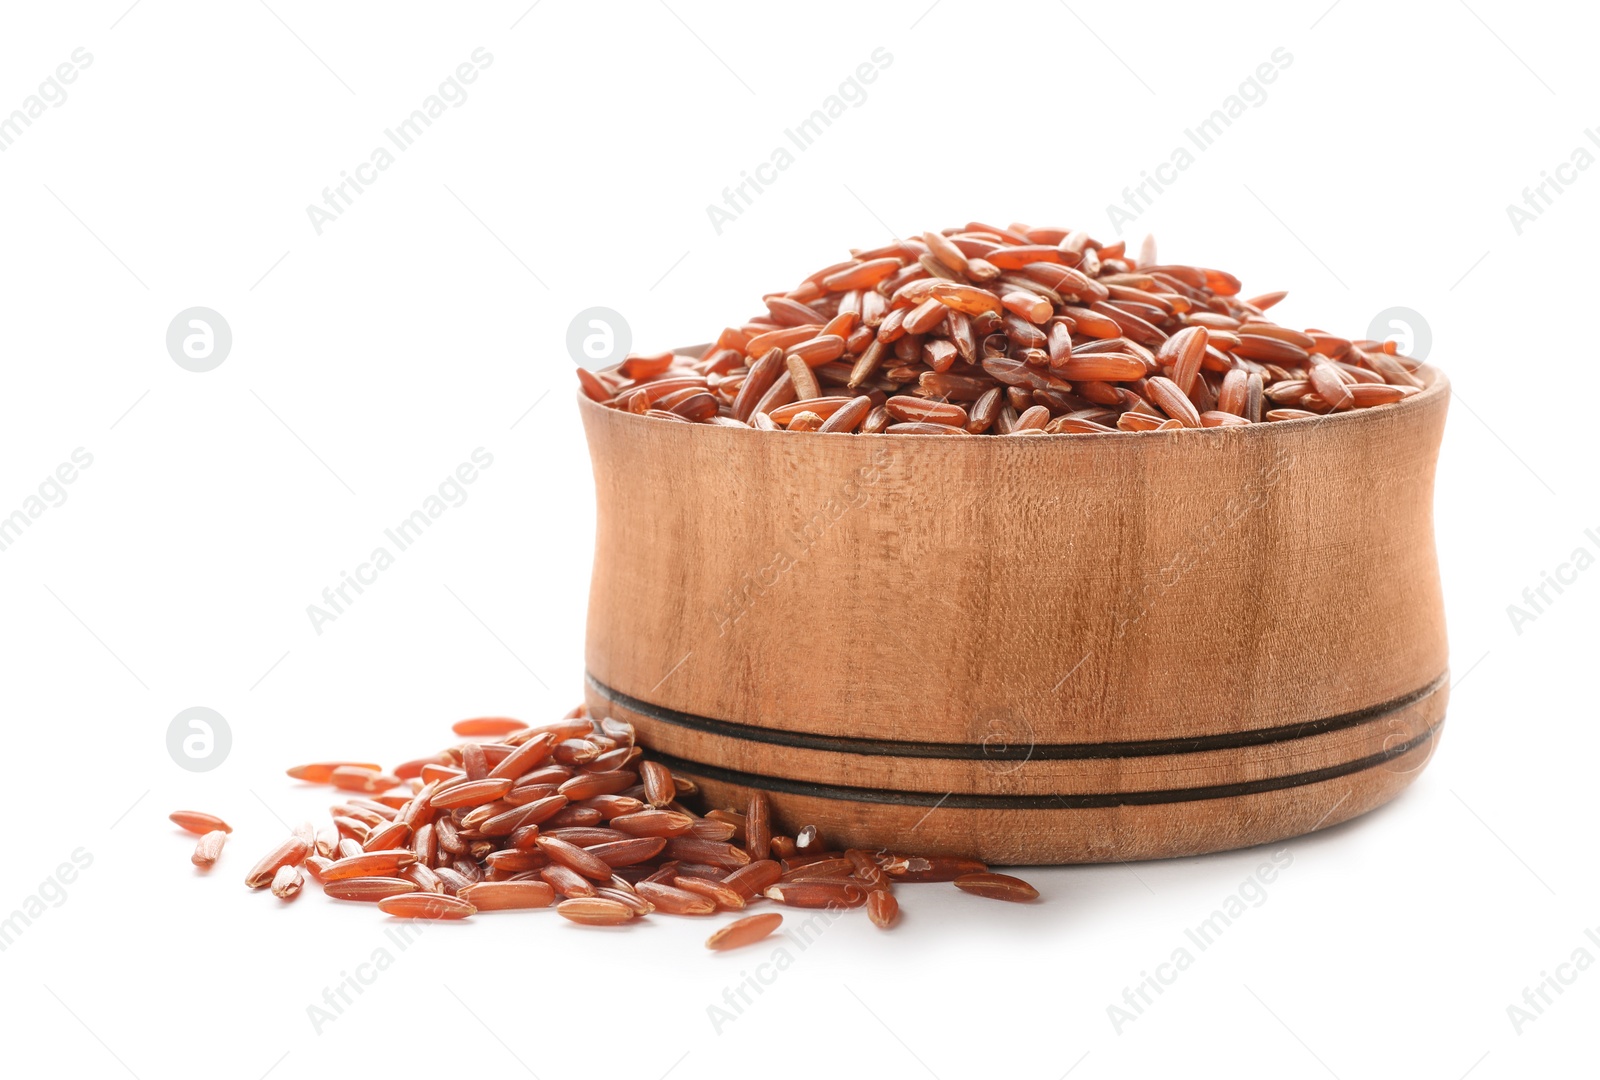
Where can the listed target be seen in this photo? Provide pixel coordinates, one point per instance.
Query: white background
(430, 319)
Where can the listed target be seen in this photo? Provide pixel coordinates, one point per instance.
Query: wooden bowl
(1049, 649)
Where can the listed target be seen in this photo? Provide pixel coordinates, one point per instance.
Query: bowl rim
(1437, 385)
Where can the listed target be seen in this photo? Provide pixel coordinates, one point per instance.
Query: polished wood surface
(1089, 616)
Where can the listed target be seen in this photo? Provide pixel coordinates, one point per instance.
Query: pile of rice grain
(1009, 331)
(570, 815)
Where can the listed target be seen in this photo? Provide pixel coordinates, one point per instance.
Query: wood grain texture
(1052, 592)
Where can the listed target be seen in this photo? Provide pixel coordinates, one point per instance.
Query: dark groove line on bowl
(841, 744)
(1042, 802)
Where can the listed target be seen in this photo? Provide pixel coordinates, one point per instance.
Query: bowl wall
(1038, 649)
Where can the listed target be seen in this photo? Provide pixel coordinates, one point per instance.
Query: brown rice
(1009, 331)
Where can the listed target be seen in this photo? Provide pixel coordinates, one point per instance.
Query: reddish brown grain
(419, 905)
(745, 931)
(989, 309)
(209, 849)
(997, 887)
(198, 822)
(595, 911)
